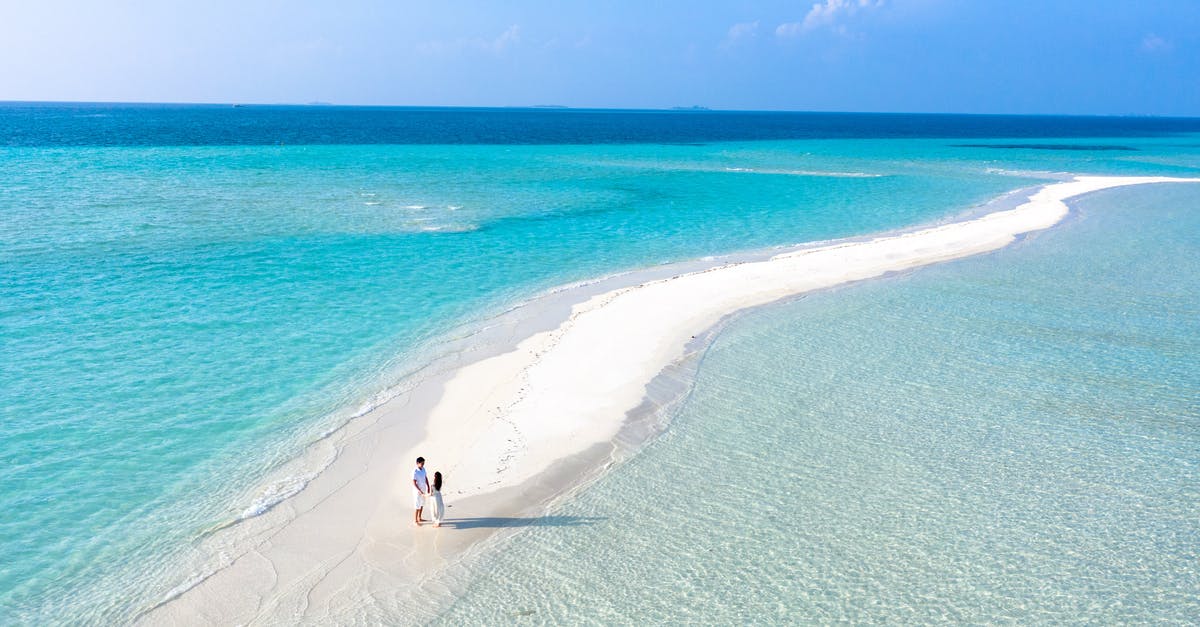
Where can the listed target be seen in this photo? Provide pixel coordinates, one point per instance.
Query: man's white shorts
(418, 499)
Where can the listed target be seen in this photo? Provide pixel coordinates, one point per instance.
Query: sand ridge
(514, 429)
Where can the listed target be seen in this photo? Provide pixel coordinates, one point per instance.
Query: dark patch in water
(133, 124)
(1047, 146)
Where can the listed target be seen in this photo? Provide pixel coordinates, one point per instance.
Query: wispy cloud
(739, 33)
(496, 45)
(1153, 43)
(508, 38)
(825, 14)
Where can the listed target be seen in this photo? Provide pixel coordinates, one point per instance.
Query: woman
(439, 508)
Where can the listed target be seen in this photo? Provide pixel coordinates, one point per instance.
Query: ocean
(193, 295)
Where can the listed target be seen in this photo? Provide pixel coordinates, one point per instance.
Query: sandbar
(527, 418)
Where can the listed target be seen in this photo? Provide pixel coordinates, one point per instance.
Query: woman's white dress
(439, 508)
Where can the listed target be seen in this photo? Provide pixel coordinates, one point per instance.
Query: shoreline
(517, 423)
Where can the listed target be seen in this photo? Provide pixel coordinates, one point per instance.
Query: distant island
(691, 108)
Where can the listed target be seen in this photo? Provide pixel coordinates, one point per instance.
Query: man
(421, 488)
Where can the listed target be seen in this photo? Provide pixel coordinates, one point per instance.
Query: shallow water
(1013, 438)
(186, 306)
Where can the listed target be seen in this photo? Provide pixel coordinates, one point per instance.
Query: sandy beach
(526, 412)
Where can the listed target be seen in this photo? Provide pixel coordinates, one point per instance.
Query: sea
(191, 296)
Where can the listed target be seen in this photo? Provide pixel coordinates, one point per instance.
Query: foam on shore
(510, 430)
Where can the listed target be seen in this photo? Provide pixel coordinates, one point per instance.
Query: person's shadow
(497, 522)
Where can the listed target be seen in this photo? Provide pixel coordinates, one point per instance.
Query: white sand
(513, 429)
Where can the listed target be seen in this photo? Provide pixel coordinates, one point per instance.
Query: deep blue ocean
(39, 124)
(191, 295)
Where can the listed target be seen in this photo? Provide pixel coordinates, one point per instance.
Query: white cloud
(508, 38)
(497, 45)
(788, 29)
(1154, 43)
(739, 33)
(825, 14)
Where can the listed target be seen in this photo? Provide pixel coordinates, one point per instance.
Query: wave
(688, 167)
(276, 493)
(852, 175)
(1037, 174)
(449, 228)
(1084, 147)
(192, 581)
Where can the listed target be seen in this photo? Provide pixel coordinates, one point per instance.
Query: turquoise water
(1013, 438)
(180, 321)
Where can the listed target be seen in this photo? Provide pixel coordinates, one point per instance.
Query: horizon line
(557, 107)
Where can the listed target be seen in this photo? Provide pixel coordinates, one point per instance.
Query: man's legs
(417, 516)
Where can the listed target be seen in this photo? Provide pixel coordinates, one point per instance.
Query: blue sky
(973, 56)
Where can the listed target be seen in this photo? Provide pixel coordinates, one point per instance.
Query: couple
(423, 490)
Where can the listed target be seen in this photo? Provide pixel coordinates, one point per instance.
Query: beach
(529, 411)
